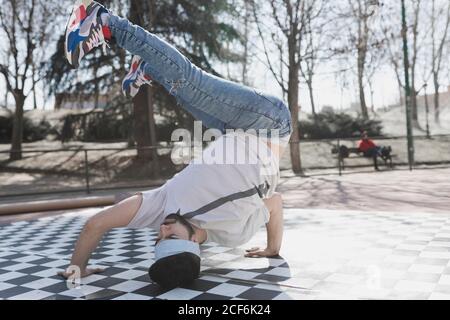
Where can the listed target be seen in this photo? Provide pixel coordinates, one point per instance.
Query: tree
(25, 25)
(246, 35)
(143, 103)
(284, 24)
(438, 15)
(358, 15)
(415, 52)
(408, 94)
(315, 38)
(392, 40)
(393, 44)
(375, 62)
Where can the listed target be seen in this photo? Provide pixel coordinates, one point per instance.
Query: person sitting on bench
(369, 149)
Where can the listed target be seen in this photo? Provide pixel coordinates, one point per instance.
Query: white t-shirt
(221, 192)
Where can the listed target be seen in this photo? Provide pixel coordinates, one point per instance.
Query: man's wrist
(273, 252)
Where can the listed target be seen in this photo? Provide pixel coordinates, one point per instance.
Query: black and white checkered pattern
(326, 255)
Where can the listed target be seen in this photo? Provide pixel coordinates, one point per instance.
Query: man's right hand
(258, 253)
(83, 274)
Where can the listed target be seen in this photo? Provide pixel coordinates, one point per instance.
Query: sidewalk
(422, 190)
(400, 190)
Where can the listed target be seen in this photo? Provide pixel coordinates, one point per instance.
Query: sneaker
(84, 31)
(135, 78)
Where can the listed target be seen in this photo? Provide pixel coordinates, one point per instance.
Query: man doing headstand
(212, 200)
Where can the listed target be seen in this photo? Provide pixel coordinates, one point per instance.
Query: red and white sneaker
(85, 31)
(136, 77)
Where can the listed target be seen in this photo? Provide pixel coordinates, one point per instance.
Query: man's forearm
(86, 244)
(275, 225)
(118, 216)
(275, 231)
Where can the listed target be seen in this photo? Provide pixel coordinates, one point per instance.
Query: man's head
(177, 254)
(364, 135)
(176, 227)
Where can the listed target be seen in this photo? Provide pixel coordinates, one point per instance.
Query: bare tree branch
(4, 70)
(269, 61)
(277, 17)
(30, 45)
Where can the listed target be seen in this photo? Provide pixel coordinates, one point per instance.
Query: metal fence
(79, 169)
(48, 171)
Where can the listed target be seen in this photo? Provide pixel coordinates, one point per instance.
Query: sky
(327, 90)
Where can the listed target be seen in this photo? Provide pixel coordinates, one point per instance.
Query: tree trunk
(362, 95)
(293, 92)
(436, 100)
(311, 98)
(6, 99)
(131, 142)
(141, 131)
(152, 129)
(414, 113)
(59, 98)
(34, 87)
(295, 139)
(17, 134)
(401, 92)
(246, 40)
(96, 86)
(140, 101)
(34, 99)
(363, 34)
(372, 94)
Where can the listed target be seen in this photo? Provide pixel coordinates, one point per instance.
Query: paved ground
(360, 236)
(327, 254)
(422, 190)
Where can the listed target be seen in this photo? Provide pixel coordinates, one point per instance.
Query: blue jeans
(218, 103)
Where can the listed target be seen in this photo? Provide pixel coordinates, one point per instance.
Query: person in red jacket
(369, 148)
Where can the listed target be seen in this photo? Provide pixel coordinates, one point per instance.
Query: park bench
(343, 152)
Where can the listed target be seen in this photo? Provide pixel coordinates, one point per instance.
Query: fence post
(339, 156)
(86, 171)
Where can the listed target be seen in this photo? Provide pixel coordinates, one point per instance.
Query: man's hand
(258, 253)
(85, 273)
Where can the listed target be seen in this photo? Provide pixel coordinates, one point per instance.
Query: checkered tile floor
(326, 255)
